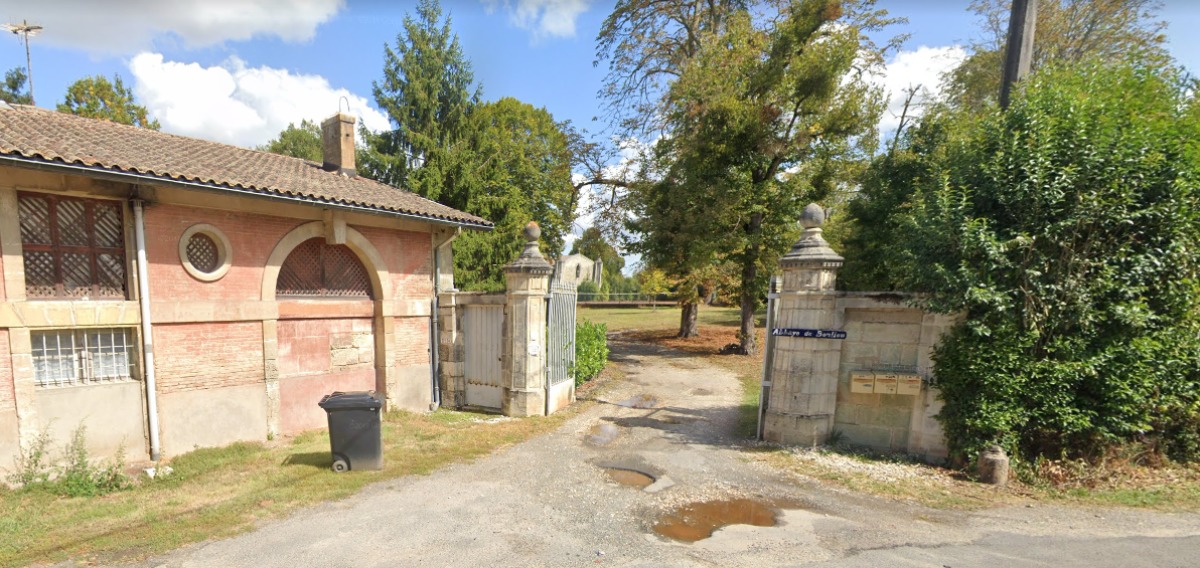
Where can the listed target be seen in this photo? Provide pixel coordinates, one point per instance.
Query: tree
(1067, 31)
(1065, 230)
(518, 167)
(16, 89)
(97, 97)
(772, 110)
(592, 245)
(302, 142)
(427, 94)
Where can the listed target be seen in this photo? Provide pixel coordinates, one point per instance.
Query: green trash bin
(354, 429)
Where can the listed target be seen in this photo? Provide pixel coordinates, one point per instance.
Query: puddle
(697, 521)
(629, 477)
(640, 401)
(602, 434)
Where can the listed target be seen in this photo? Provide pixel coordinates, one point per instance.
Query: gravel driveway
(549, 502)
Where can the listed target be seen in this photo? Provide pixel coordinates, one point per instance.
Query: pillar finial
(531, 259)
(811, 251)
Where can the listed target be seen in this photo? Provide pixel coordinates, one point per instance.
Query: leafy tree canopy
(15, 89)
(518, 168)
(593, 245)
(1066, 31)
(302, 141)
(97, 97)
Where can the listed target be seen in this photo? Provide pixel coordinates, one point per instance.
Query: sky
(239, 71)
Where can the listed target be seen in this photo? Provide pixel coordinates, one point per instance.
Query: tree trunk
(688, 315)
(750, 291)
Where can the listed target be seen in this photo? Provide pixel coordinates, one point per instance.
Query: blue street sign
(808, 333)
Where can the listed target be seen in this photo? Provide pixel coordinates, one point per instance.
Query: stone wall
(871, 387)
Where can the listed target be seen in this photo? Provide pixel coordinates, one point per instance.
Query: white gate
(560, 346)
(483, 330)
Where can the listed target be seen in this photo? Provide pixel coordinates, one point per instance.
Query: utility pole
(1018, 52)
(27, 30)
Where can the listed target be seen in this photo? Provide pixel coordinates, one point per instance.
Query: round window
(205, 252)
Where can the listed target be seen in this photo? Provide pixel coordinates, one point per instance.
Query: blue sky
(238, 71)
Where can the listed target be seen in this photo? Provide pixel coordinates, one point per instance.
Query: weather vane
(27, 30)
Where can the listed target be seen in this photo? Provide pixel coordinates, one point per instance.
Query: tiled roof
(42, 135)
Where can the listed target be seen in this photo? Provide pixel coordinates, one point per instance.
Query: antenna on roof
(343, 98)
(28, 30)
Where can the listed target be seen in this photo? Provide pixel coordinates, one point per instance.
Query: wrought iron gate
(560, 346)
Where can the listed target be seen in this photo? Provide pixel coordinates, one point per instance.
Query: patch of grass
(216, 493)
(1171, 488)
(664, 317)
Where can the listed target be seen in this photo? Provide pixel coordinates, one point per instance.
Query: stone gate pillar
(804, 366)
(528, 279)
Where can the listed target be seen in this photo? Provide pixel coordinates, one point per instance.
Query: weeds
(76, 475)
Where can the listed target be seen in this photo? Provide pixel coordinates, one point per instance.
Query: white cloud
(236, 104)
(129, 26)
(554, 18)
(921, 69)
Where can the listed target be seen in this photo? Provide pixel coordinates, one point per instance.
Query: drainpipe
(434, 331)
(139, 231)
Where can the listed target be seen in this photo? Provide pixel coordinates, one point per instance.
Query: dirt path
(549, 502)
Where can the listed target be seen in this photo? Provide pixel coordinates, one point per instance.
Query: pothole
(698, 521)
(629, 477)
(640, 401)
(602, 434)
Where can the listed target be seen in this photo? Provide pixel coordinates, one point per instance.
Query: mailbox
(886, 384)
(909, 385)
(862, 382)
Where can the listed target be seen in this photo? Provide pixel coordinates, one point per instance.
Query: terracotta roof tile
(40, 134)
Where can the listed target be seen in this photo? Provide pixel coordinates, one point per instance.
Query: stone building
(576, 269)
(171, 293)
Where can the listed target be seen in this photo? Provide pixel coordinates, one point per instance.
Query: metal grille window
(317, 269)
(202, 253)
(73, 248)
(82, 356)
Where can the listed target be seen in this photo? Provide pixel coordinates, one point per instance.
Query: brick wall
(7, 393)
(207, 355)
(409, 259)
(412, 341)
(323, 346)
(252, 238)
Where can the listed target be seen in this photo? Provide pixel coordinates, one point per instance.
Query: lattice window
(202, 252)
(317, 269)
(67, 357)
(73, 248)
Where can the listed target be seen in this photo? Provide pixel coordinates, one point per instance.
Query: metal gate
(483, 333)
(560, 346)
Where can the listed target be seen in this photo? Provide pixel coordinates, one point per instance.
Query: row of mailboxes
(867, 382)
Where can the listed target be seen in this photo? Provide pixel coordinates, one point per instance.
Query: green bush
(1065, 229)
(589, 292)
(591, 350)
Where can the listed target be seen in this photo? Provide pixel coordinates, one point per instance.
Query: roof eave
(122, 176)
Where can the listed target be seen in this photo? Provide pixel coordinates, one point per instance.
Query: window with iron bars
(65, 357)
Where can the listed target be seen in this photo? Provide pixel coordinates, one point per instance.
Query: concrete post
(528, 279)
(804, 370)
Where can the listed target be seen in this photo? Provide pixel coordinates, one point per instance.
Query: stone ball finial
(532, 231)
(813, 216)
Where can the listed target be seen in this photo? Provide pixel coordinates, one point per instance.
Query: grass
(663, 317)
(217, 493)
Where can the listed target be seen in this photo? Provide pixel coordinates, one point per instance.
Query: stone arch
(366, 252)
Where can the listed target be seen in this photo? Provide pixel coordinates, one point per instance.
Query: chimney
(337, 138)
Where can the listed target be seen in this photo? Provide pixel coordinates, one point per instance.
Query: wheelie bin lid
(357, 400)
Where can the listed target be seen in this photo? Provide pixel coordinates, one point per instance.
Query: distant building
(577, 269)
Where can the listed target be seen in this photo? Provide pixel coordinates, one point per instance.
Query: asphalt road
(550, 502)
